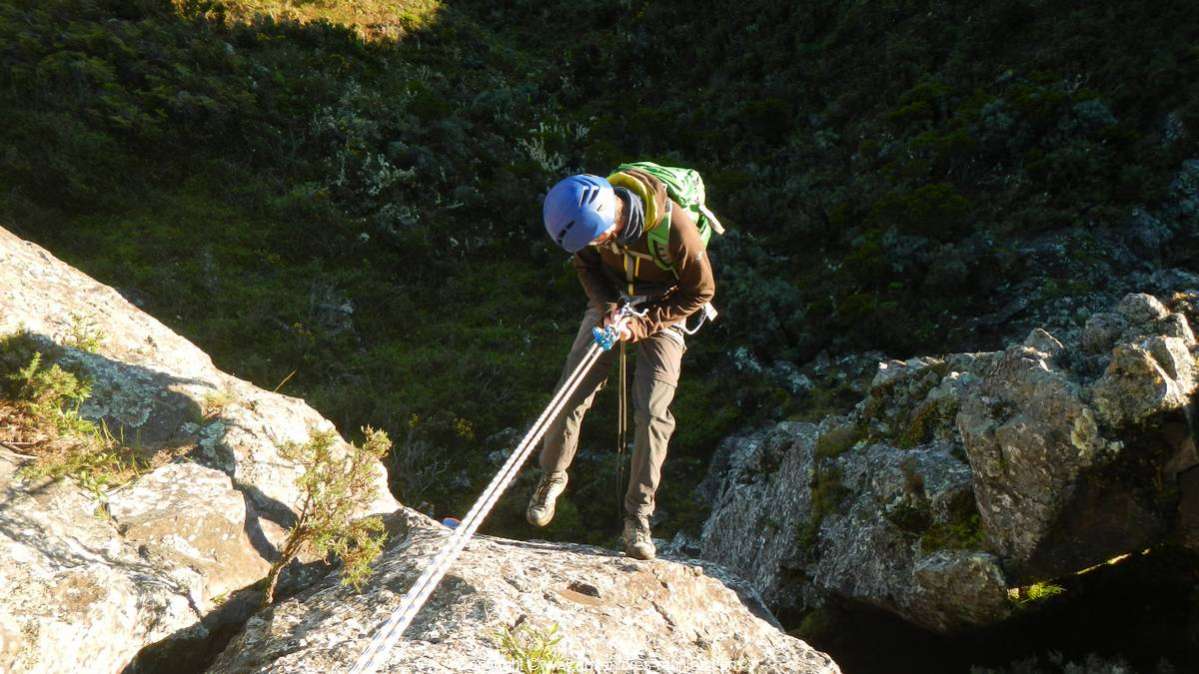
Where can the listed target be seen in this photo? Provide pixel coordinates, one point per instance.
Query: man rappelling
(638, 240)
(635, 239)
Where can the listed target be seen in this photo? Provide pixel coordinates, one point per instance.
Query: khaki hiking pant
(659, 360)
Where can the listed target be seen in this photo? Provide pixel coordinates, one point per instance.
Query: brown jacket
(674, 296)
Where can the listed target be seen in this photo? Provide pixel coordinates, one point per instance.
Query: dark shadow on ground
(1142, 611)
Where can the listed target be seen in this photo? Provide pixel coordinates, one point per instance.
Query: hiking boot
(637, 541)
(541, 506)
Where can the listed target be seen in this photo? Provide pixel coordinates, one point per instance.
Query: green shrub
(337, 484)
(533, 650)
(39, 413)
(51, 396)
(935, 210)
(924, 104)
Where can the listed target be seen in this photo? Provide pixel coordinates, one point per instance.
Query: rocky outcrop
(1073, 448)
(87, 582)
(611, 613)
(877, 524)
(957, 477)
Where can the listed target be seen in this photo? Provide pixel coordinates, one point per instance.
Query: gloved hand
(613, 317)
(613, 328)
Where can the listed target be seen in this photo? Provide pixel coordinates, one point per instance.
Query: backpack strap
(657, 234)
(658, 239)
(632, 263)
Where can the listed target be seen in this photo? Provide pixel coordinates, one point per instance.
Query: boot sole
(540, 523)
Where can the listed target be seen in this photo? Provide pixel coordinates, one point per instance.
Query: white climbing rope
(416, 596)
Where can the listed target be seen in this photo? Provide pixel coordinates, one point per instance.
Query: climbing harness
(416, 596)
(706, 313)
(632, 260)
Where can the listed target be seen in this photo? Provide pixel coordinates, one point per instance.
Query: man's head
(580, 210)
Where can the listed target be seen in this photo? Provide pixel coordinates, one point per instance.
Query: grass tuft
(39, 415)
(1032, 595)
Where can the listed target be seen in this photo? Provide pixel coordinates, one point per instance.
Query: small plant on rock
(336, 485)
(49, 397)
(214, 404)
(533, 650)
(1034, 594)
(84, 334)
(39, 413)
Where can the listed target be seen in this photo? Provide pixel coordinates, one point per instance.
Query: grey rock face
(882, 547)
(1064, 460)
(86, 587)
(958, 477)
(1025, 429)
(75, 596)
(752, 529)
(611, 612)
(804, 527)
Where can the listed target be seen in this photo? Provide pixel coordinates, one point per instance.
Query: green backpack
(686, 188)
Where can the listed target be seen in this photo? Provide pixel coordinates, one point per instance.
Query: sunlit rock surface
(612, 613)
(86, 584)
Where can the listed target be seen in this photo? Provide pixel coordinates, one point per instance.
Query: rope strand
(622, 427)
(419, 593)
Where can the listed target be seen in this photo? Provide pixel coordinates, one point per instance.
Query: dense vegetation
(342, 198)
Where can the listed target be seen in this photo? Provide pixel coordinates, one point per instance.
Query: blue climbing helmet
(578, 210)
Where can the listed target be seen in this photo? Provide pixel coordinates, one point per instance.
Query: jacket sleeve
(599, 289)
(696, 285)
